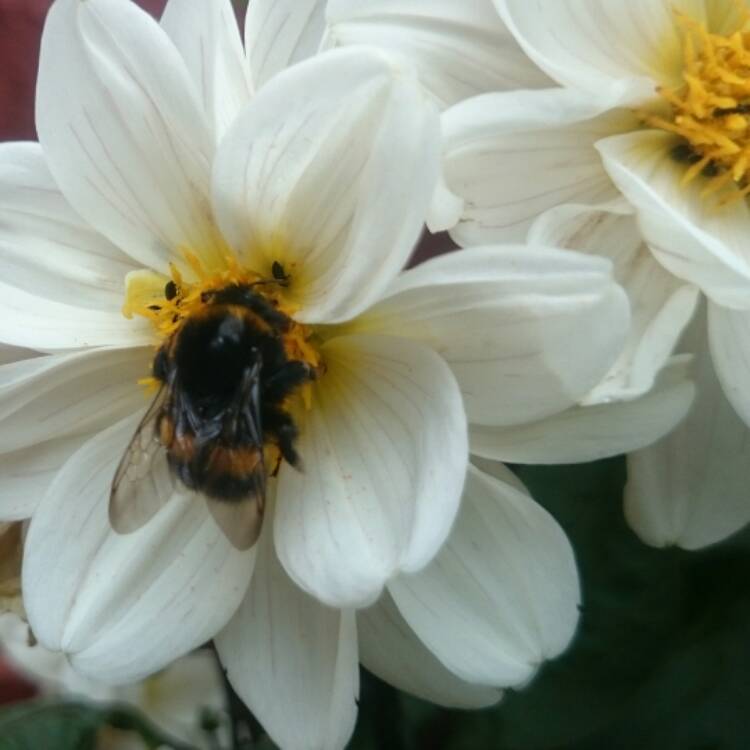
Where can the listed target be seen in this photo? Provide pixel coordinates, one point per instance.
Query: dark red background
(21, 24)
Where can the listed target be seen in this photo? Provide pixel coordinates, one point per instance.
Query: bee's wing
(143, 482)
(240, 520)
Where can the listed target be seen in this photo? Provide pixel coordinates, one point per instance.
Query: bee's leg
(290, 375)
(280, 425)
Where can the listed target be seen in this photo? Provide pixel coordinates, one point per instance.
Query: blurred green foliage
(661, 660)
(41, 725)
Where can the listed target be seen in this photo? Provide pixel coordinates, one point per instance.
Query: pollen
(710, 110)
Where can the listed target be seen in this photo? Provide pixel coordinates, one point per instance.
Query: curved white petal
(390, 649)
(336, 188)
(623, 48)
(123, 129)
(207, 36)
(385, 452)
(292, 660)
(69, 394)
(513, 155)
(446, 208)
(729, 338)
(46, 249)
(691, 488)
(588, 433)
(123, 606)
(27, 320)
(689, 233)
(62, 283)
(279, 33)
(26, 474)
(660, 303)
(527, 331)
(460, 49)
(502, 595)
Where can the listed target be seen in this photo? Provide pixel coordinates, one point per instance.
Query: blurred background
(661, 660)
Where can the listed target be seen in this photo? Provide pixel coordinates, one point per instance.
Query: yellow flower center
(710, 110)
(169, 301)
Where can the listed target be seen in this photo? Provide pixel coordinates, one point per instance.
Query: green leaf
(56, 727)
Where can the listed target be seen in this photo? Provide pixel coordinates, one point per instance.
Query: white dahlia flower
(655, 112)
(640, 159)
(156, 189)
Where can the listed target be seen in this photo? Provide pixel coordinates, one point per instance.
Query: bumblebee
(224, 376)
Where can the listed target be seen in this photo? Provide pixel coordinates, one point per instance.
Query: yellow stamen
(711, 109)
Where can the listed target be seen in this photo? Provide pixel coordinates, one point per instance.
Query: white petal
(10, 354)
(513, 155)
(621, 48)
(390, 649)
(446, 208)
(292, 660)
(729, 337)
(62, 283)
(460, 49)
(588, 433)
(528, 331)
(207, 36)
(122, 128)
(385, 452)
(69, 394)
(46, 249)
(279, 33)
(337, 188)
(661, 304)
(25, 474)
(124, 606)
(28, 320)
(502, 595)
(690, 489)
(689, 234)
